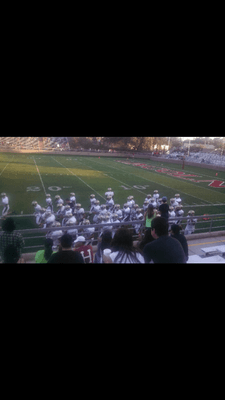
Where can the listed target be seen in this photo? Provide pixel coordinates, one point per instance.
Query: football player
(55, 235)
(126, 212)
(148, 197)
(156, 195)
(103, 209)
(109, 193)
(88, 231)
(179, 213)
(96, 211)
(37, 211)
(5, 202)
(110, 202)
(114, 219)
(153, 202)
(118, 211)
(190, 227)
(49, 203)
(72, 201)
(139, 216)
(145, 205)
(58, 200)
(49, 219)
(72, 231)
(177, 198)
(79, 212)
(60, 210)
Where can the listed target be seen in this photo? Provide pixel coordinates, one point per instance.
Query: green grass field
(28, 177)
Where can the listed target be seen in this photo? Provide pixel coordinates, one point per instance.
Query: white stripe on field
(6, 166)
(78, 178)
(40, 176)
(161, 184)
(114, 178)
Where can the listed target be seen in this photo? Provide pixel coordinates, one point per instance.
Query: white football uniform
(109, 194)
(126, 214)
(119, 213)
(138, 226)
(37, 213)
(190, 227)
(110, 203)
(156, 196)
(54, 235)
(59, 201)
(5, 202)
(61, 211)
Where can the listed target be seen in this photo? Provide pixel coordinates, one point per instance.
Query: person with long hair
(42, 256)
(104, 243)
(149, 215)
(123, 251)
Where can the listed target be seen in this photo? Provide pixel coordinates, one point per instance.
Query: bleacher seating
(32, 143)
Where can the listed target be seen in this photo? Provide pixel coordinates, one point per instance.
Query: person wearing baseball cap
(85, 250)
(164, 208)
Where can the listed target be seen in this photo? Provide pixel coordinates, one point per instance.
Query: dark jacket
(166, 250)
(66, 257)
(164, 208)
(183, 241)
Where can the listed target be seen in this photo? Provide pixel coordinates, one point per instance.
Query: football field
(28, 177)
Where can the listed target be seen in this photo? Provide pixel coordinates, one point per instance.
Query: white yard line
(161, 184)
(79, 178)
(113, 178)
(40, 176)
(6, 166)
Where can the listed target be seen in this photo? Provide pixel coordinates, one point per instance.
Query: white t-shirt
(126, 260)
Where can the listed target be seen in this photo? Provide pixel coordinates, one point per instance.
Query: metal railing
(213, 222)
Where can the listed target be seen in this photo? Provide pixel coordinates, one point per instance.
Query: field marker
(161, 184)
(40, 176)
(78, 178)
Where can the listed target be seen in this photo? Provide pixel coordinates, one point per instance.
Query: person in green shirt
(42, 256)
(148, 216)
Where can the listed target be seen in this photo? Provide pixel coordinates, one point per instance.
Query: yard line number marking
(161, 184)
(125, 187)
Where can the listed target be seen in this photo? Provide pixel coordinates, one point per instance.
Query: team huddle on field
(69, 213)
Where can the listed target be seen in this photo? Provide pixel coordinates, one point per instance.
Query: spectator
(149, 215)
(147, 239)
(11, 255)
(42, 256)
(164, 208)
(175, 233)
(66, 255)
(123, 251)
(164, 249)
(10, 237)
(85, 250)
(104, 243)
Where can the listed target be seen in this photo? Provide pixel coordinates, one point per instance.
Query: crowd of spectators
(197, 157)
(157, 246)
